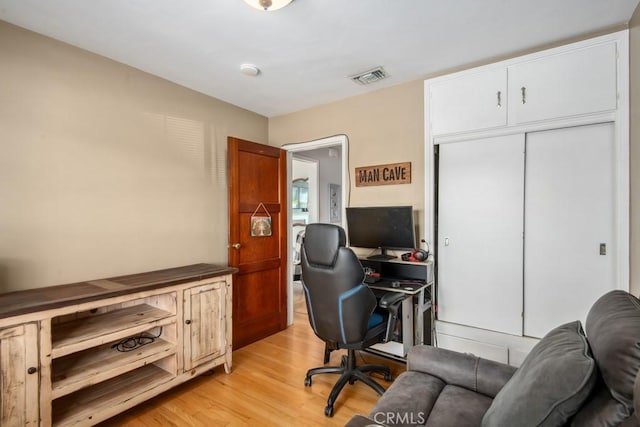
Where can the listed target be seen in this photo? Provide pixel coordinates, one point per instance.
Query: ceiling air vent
(370, 76)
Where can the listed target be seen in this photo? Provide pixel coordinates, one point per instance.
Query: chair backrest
(613, 332)
(338, 303)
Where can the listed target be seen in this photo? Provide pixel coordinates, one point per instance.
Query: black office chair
(341, 308)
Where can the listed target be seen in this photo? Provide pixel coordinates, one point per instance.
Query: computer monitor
(383, 227)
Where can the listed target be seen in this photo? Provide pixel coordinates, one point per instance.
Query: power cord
(133, 343)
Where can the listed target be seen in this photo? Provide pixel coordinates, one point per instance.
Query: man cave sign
(394, 173)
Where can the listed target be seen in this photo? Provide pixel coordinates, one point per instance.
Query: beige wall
(385, 126)
(106, 170)
(635, 151)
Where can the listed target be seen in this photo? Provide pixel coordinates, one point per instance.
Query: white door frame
(332, 141)
(314, 193)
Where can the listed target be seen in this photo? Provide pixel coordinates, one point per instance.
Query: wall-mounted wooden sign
(394, 173)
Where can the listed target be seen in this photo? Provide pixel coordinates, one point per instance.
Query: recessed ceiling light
(268, 5)
(249, 70)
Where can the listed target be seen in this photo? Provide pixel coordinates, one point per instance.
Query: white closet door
(569, 214)
(480, 226)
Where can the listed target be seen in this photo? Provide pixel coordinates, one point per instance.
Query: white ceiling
(307, 50)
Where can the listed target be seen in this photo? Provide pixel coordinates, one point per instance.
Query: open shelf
(88, 404)
(89, 367)
(84, 333)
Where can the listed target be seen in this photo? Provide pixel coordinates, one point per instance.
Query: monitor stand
(383, 256)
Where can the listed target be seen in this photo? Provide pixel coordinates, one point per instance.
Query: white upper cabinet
(563, 85)
(476, 100)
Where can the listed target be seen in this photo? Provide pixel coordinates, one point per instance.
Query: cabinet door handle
(499, 95)
(188, 322)
(32, 370)
(236, 246)
(523, 90)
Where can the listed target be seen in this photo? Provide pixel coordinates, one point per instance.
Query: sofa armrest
(362, 421)
(460, 369)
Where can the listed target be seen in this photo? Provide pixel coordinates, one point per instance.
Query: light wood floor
(265, 387)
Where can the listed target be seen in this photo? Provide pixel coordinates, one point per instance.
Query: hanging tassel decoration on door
(260, 225)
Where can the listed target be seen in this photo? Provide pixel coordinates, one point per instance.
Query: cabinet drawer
(568, 84)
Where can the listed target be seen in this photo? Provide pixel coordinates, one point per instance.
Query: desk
(415, 280)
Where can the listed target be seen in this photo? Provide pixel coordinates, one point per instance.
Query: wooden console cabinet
(65, 351)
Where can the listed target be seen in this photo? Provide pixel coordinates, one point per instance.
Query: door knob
(236, 246)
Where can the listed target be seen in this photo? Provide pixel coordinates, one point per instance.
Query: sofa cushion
(555, 378)
(459, 407)
(416, 398)
(613, 332)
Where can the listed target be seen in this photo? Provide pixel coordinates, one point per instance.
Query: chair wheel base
(349, 374)
(328, 411)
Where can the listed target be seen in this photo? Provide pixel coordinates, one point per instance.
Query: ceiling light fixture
(268, 5)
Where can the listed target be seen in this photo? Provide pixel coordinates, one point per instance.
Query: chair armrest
(460, 369)
(362, 421)
(391, 299)
(391, 302)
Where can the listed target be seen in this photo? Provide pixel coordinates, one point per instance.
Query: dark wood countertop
(39, 299)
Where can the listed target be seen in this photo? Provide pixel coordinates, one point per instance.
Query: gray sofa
(567, 379)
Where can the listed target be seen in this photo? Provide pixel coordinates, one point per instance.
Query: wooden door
(19, 376)
(257, 174)
(480, 226)
(570, 240)
(204, 326)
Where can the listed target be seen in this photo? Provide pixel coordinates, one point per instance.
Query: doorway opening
(318, 177)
